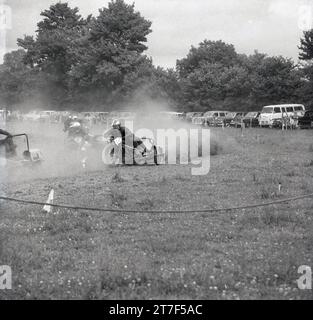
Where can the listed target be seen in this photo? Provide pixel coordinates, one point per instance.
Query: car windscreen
(299, 108)
(267, 110)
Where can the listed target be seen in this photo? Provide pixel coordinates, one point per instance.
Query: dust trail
(148, 117)
(60, 161)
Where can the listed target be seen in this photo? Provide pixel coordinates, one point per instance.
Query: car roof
(285, 105)
(218, 111)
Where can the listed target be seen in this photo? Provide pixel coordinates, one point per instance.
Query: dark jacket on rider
(128, 138)
(5, 133)
(125, 134)
(7, 147)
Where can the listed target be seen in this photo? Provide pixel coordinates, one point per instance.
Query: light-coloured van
(274, 112)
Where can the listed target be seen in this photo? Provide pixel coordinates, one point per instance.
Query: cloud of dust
(59, 161)
(148, 117)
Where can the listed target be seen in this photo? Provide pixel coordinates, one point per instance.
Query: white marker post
(242, 127)
(48, 208)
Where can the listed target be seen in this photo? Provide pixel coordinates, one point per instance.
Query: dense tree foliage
(98, 62)
(215, 76)
(81, 61)
(306, 47)
(306, 56)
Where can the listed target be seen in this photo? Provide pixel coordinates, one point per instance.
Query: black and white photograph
(156, 150)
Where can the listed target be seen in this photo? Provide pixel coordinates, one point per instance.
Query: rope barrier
(60, 206)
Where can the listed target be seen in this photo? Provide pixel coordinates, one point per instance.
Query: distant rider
(75, 127)
(67, 123)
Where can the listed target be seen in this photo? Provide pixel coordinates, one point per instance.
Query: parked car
(216, 118)
(211, 118)
(286, 123)
(237, 121)
(306, 122)
(49, 115)
(229, 117)
(251, 119)
(32, 116)
(233, 119)
(190, 115)
(14, 115)
(199, 119)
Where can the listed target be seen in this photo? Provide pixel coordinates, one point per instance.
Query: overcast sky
(269, 26)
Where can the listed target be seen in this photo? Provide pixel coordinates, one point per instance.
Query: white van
(271, 113)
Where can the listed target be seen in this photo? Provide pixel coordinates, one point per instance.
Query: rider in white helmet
(75, 126)
(116, 124)
(117, 128)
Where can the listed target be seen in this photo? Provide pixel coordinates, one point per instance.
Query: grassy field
(247, 254)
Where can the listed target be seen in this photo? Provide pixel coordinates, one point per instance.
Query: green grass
(247, 254)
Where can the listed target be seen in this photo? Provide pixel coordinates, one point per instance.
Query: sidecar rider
(5, 133)
(117, 130)
(4, 139)
(7, 147)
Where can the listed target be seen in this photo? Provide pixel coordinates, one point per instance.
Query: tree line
(99, 63)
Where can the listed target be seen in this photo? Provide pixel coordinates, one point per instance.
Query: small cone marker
(242, 127)
(48, 208)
